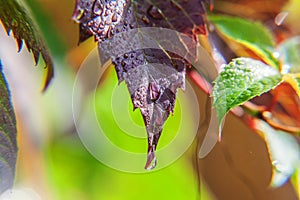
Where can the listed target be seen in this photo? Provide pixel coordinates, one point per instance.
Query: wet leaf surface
(151, 61)
(8, 144)
(241, 80)
(15, 18)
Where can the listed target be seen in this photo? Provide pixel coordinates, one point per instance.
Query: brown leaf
(284, 113)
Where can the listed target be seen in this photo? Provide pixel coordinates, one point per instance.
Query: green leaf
(8, 144)
(241, 80)
(252, 35)
(289, 52)
(284, 152)
(15, 17)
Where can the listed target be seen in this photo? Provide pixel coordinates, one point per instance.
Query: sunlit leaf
(252, 35)
(241, 80)
(15, 17)
(152, 74)
(8, 144)
(284, 152)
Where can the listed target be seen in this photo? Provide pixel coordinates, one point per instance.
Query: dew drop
(279, 19)
(154, 91)
(114, 18)
(276, 54)
(97, 21)
(285, 69)
(279, 167)
(98, 9)
(107, 12)
(90, 23)
(131, 26)
(78, 14)
(101, 25)
(112, 31)
(109, 32)
(146, 20)
(113, 3)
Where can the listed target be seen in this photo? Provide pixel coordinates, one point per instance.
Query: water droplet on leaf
(146, 20)
(114, 18)
(98, 9)
(77, 15)
(276, 54)
(279, 19)
(279, 167)
(131, 26)
(285, 69)
(154, 91)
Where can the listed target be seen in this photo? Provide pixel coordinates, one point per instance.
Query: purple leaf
(151, 59)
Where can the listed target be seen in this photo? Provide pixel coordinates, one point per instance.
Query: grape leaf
(152, 73)
(15, 17)
(8, 144)
(252, 35)
(284, 152)
(241, 80)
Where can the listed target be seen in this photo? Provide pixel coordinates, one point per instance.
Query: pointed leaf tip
(151, 160)
(152, 144)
